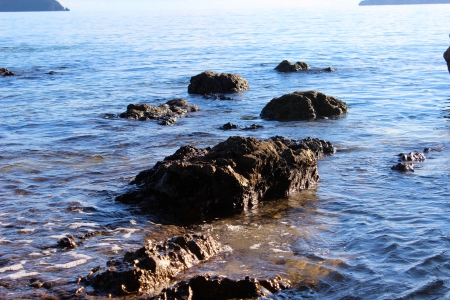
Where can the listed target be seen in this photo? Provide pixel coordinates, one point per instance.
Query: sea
(364, 232)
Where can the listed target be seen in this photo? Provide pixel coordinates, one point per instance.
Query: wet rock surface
(6, 72)
(193, 184)
(212, 83)
(206, 287)
(164, 114)
(152, 267)
(447, 58)
(303, 106)
(406, 160)
(231, 126)
(286, 66)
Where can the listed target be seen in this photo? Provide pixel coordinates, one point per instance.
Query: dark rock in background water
(211, 83)
(447, 58)
(303, 106)
(30, 5)
(6, 72)
(217, 97)
(231, 126)
(412, 156)
(198, 184)
(206, 287)
(228, 126)
(287, 66)
(165, 114)
(152, 267)
(403, 167)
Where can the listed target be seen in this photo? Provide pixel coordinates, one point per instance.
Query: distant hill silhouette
(401, 2)
(30, 5)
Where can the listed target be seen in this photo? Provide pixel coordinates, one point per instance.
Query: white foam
(11, 268)
(234, 227)
(71, 264)
(21, 274)
(255, 246)
(27, 230)
(82, 224)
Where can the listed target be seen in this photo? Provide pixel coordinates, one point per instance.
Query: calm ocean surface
(365, 232)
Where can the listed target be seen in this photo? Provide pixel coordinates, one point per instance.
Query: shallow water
(365, 232)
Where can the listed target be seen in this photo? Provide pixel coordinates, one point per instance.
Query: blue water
(365, 232)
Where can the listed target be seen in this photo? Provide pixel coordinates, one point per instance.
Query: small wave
(71, 264)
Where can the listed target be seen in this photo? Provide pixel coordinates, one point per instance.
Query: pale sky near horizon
(90, 5)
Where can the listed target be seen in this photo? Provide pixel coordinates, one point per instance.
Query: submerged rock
(211, 83)
(206, 287)
(303, 106)
(165, 114)
(152, 267)
(447, 58)
(412, 156)
(6, 72)
(403, 167)
(231, 126)
(287, 66)
(199, 184)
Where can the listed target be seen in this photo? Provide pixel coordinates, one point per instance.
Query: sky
(108, 5)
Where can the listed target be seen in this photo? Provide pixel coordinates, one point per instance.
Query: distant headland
(402, 2)
(31, 5)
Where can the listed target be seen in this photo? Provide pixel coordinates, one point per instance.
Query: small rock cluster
(165, 114)
(6, 72)
(407, 159)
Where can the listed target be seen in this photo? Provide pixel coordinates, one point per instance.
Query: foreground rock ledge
(303, 106)
(210, 83)
(151, 268)
(206, 287)
(193, 184)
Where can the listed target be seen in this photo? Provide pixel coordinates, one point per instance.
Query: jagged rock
(198, 184)
(207, 287)
(317, 146)
(210, 83)
(412, 156)
(6, 72)
(287, 66)
(67, 242)
(152, 267)
(403, 167)
(228, 126)
(447, 58)
(303, 106)
(165, 114)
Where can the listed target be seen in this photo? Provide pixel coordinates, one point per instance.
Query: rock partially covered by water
(6, 72)
(447, 58)
(206, 287)
(154, 266)
(403, 167)
(199, 184)
(412, 156)
(287, 66)
(165, 114)
(303, 106)
(211, 83)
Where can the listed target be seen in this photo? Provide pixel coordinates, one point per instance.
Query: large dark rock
(287, 66)
(30, 5)
(6, 72)
(165, 114)
(207, 287)
(447, 58)
(152, 267)
(211, 83)
(199, 184)
(303, 106)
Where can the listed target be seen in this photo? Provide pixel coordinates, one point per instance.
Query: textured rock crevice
(193, 184)
(153, 267)
(303, 106)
